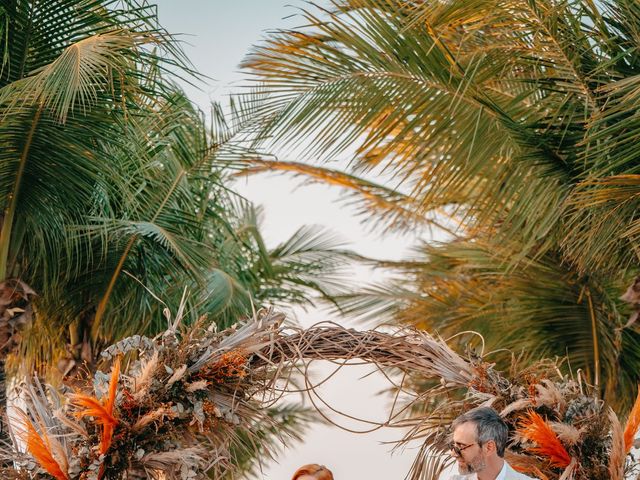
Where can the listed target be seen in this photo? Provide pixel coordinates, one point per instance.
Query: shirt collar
(503, 473)
(474, 476)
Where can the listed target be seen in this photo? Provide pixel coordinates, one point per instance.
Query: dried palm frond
(173, 462)
(182, 401)
(567, 434)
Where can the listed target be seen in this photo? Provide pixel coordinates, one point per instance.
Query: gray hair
(489, 426)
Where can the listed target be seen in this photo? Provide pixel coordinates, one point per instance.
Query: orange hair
(320, 472)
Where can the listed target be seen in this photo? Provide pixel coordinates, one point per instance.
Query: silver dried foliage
(130, 344)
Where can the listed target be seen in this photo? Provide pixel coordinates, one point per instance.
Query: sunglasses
(457, 448)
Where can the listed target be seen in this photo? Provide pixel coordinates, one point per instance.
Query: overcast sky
(218, 34)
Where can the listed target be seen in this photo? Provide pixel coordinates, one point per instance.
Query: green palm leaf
(392, 210)
(515, 120)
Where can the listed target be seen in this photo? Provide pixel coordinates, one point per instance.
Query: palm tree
(114, 192)
(72, 74)
(511, 124)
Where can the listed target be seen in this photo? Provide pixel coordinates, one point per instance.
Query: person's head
(313, 471)
(479, 439)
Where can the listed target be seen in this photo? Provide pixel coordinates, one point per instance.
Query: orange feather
(537, 430)
(633, 422)
(107, 431)
(113, 385)
(93, 408)
(102, 412)
(40, 448)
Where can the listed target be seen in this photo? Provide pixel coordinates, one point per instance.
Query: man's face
(307, 477)
(472, 457)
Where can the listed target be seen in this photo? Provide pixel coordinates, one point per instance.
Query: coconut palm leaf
(516, 120)
(86, 76)
(392, 210)
(541, 307)
(107, 168)
(175, 225)
(312, 259)
(367, 73)
(510, 104)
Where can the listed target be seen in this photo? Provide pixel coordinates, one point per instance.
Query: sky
(217, 34)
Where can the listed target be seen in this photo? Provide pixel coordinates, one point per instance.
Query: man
(479, 440)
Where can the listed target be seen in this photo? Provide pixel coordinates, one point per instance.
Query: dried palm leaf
(567, 434)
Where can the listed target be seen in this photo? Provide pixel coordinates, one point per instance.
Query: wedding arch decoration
(169, 407)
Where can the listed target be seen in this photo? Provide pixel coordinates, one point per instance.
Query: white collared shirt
(503, 473)
(474, 476)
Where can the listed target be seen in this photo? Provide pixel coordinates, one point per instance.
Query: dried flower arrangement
(171, 411)
(171, 406)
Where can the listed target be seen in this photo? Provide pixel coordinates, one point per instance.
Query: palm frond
(542, 307)
(378, 204)
(368, 72)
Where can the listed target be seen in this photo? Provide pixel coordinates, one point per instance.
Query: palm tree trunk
(81, 360)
